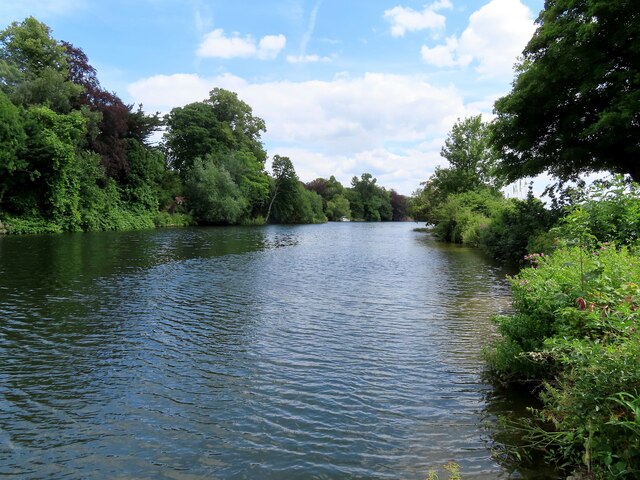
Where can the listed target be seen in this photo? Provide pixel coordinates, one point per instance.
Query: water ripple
(335, 351)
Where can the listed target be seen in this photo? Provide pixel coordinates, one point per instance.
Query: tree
(337, 208)
(472, 167)
(12, 144)
(51, 152)
(284, 191)
(214, 198)
(399, 206)
(368, 201)
(575, 103)
(34, 68)
(470, 156)
(217, 126)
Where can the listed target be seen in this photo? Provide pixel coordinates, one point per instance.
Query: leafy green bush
(575, 332)
(609, 210)
(166, 219)
(517, 229)
(462, 217)
(27, 225)
(214, 198)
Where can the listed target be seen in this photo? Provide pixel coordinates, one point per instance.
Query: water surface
(330, 351)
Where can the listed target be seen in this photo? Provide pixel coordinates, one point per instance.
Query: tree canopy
(472, 166)
(74, 156)
(575, 103)
(218, 125)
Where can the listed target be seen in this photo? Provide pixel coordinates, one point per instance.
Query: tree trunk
(266, 220)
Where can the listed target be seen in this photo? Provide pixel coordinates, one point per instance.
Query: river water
(330, 351)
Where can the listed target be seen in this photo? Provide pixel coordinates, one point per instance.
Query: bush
(463, 217)
(166, 219)
(517, 229)
(26, 225)
(575, 332)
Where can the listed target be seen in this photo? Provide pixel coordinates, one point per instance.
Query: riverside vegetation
(74, 157)
(573, 337)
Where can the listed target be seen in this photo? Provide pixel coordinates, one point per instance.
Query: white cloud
(497, 33)
(389, 125)
(270, 46)
(406, 19)
(307, 58)
(441, 55)
(218, 45)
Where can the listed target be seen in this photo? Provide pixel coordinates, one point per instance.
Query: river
(330, 351)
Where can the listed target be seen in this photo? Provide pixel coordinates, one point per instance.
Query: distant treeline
(74, 157)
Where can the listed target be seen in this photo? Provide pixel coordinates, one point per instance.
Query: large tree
(34, 68)
(472, 167)
(218, 126)
(575, 103)
(368, 200)
(472, 161)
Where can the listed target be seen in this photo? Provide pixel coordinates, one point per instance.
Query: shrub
(575, 332)
(462, 217)
(517, 229)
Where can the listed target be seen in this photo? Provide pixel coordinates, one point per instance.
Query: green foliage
(28, 47)
(574, 104)
(223, 130)
(33, 67)
(30, 225)
(368, 201)
(284, 191)
(335, 198)
(472, 167)
(75, 157)
(575, 330)
(214, 198)
(146, 171)
(290, 201)
(337, 208)
(607, 211)
(516, 229)
(166, 219)
(12, 141)
(219, 125)
(51, 144)
(463, 217)
(470, 156)
(310, 207)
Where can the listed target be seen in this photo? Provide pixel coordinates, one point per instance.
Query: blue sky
(345, 87)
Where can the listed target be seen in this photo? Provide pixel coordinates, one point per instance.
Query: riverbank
(573, 337)
(122, 221)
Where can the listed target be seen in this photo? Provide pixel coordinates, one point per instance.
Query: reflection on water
(331, 351)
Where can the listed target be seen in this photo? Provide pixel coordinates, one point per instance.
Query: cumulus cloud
(406, 19)
(270, 46)
(497, 33)
(217, 44)
(389, 125)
